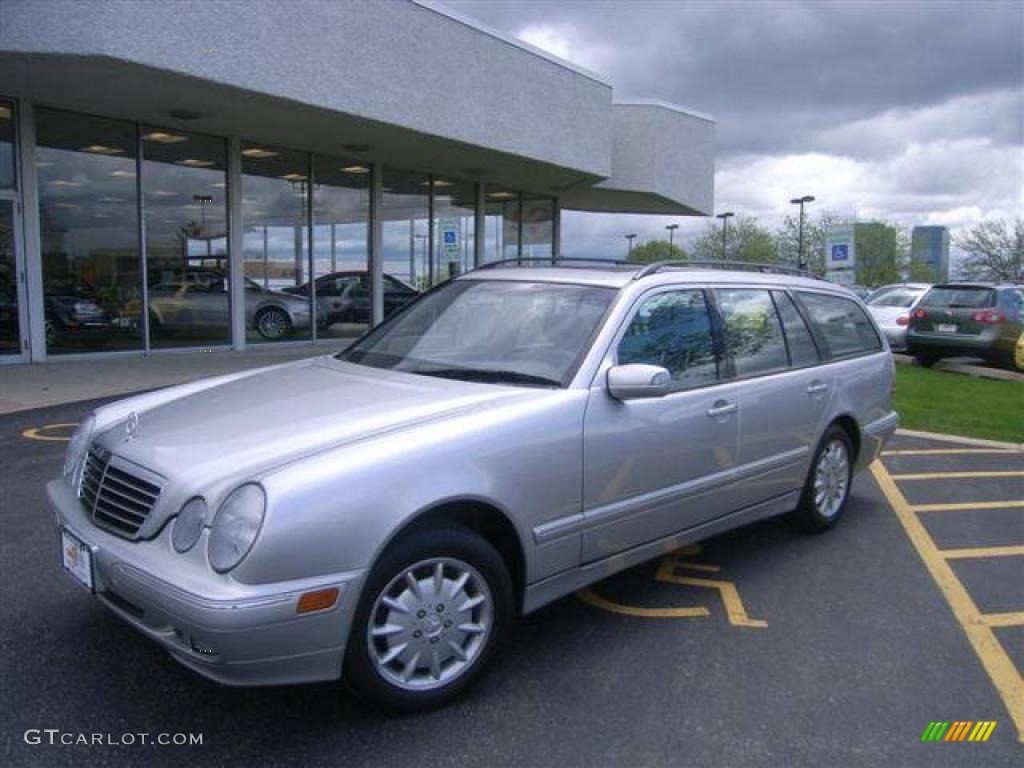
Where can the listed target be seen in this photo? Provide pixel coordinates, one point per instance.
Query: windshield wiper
(488, 375)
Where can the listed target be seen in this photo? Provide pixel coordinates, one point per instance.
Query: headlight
(188, 525)
(236, 526)
(78, 445)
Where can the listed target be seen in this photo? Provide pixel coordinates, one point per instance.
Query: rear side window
(841, 323)
(673, 330)
(964, 297)
(753, 333)
(801, 346)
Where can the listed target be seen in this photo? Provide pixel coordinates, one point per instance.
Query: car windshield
(895, 297)
(499, 331)
(967, 297)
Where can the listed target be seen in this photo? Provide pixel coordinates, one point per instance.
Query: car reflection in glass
(344, 297)
(75, 313)
(198, 300)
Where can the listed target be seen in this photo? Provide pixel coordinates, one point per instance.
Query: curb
(963, 440)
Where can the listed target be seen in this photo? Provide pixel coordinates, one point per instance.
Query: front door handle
(817, 387)
(722, 408)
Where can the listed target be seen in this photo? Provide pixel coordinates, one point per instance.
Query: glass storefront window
(88, 216)
(275, 195)
(405, 216)
(184, 185)
(538, 226)
(454, 225)
(7, 179)
(341, 230)
(501, 230)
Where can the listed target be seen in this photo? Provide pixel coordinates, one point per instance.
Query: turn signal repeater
(319, 600)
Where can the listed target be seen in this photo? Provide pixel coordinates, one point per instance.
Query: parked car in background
(891, 306)
(198, 299)
(968, 320)
(344, 297)
(510, 437)
(860, 291)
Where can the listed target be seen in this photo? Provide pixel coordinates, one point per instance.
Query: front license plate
(76, 558)
(946, 328)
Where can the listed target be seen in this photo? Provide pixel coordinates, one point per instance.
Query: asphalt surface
(860, 652)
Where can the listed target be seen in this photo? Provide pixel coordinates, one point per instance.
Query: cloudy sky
(907, 111)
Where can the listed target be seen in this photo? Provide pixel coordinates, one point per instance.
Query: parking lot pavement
(761, 647)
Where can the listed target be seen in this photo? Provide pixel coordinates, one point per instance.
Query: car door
(657, 466)
(785, 390)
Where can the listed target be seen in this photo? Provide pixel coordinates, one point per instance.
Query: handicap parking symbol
(840, 252)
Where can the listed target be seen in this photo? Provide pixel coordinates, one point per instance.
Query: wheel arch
(848, 424)
(483, 518)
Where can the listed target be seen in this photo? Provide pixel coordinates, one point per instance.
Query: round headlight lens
(236, 526)
(188, 525)
(76, 448)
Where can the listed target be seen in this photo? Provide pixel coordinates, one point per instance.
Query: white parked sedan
(891, 306)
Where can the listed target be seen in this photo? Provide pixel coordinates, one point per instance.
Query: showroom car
(983, 320)
(508, 438)
(344, 297)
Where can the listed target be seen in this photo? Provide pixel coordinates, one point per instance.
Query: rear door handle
(722, 408)
(817, 387)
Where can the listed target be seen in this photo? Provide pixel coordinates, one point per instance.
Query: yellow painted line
(946, 451)
(1008, 619)
(997, 663)
(956, 475)
(35, 433)
(971, 552)
(968, 506)
(590, 597)
(734, 609)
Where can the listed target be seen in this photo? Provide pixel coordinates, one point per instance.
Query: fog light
(320, 600)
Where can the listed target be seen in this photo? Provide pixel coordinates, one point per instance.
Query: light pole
(725, 224)
(671, 231)
(801, 264)
(630, 238)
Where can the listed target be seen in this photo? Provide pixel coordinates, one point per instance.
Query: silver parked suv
(504, 440)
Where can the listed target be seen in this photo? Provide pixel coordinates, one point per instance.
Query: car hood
(266, 419)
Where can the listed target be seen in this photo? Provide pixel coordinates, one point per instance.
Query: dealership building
(226, 174)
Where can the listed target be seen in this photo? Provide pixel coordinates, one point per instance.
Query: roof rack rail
(743, 266)
(554, 261)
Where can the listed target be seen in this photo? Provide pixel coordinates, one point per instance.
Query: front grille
(115, 494)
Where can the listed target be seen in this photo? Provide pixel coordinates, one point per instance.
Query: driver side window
(673, 330)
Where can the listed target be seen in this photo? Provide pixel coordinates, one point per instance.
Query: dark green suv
(967, 320)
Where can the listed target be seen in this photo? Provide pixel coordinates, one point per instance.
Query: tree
(920, 272)
(995, 251)
(816, 228)
(657, 250)
(881, 252)
(746, 240)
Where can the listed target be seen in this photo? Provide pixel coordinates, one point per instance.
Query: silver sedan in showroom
(891, 306)
(507, 438)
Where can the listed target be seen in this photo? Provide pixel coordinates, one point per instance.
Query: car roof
(619, 276)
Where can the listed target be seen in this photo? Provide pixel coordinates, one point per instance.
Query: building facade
(179, 176)
(929, 247)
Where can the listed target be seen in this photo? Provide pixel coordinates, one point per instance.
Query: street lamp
(630, 238)
(725, 223)
(671, 231)
(800, 239)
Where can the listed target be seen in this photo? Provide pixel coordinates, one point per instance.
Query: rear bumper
(951, 345)
(252, 638)
(874, 436)
(896, 334)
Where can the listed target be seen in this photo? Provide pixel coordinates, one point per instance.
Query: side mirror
(637, 381)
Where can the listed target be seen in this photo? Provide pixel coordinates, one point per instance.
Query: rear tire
(273, 323)
(414, 643)
(925, 360)
(827, 489)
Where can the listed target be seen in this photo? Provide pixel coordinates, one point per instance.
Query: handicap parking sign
(840, 252)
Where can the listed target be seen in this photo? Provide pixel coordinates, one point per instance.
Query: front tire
(433, 611)
(273, 323)
(827, 489)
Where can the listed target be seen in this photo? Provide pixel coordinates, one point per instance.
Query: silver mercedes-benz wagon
(507, 438)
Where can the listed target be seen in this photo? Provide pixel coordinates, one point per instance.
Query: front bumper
(237, 635)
